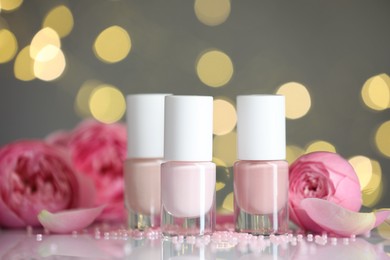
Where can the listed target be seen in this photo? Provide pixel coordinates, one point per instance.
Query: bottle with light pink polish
(142, 169)
(188, 175)
(261, 174)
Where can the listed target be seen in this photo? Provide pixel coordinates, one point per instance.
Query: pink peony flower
(98, 150)
(326, 176)
(36, 176)
(59, 138)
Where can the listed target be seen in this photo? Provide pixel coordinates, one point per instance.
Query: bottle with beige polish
(142, 174)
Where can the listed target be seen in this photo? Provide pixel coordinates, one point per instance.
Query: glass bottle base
(261, 224)
(140, 221)
(182, 226)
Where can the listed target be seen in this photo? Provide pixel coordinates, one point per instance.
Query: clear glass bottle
(188, 175)
(142, 174)
(261, 174)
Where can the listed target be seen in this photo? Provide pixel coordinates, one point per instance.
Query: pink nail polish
(142, 169)
(261, 174)
(188, 175)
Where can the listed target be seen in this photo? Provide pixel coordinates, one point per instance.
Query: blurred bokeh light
(45, 37)
(112, 44)
(107, 104)
(8, 45)
(382, 138)
(228, 202)
(369, 173)
(363, 169)
(373, 191)
(49, 63)
(320, 145)
(376, 92)
(212, 12)
(60, 19)
(24, 65)
(10, 5)
(81, 104)
(298, 101)
(225, 117)
(225, 146)
(214, 68)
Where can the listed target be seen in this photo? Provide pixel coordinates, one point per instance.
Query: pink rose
(98, 150)
(326, 176)
(36, 176)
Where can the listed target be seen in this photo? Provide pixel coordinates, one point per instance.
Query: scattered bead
(320, 240)
(39, 237)
(294, 241)
(333, 241)
(346, 241)
(310, 237)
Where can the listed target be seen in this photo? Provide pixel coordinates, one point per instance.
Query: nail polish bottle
(142, 175)
(261, 174)
(188, 175)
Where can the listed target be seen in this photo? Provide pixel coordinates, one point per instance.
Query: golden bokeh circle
(225, 147)
(212, 12)
(112, 45)
(48, 67)
(107, 104)
(382, 138)
(214, 68)
(363, 168)
(42, 39)
(60, 19)
(225, 117)
(320, 145)
(24, 65)
(376, 92)
(8, 45)
(298, 100)
(83, 96)
(10, 5)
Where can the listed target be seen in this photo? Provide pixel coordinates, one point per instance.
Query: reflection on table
(122, 244)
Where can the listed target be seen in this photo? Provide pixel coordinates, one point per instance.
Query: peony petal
(87, 192)
(336, 219)
(8, 218)
(381, 215)
(69, 220)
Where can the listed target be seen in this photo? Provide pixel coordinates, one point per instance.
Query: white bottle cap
(145, 125)
(188, 128)
(261, 127)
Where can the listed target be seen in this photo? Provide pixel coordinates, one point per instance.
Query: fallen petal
(336, 219)
(69, 220)
(381, 215)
